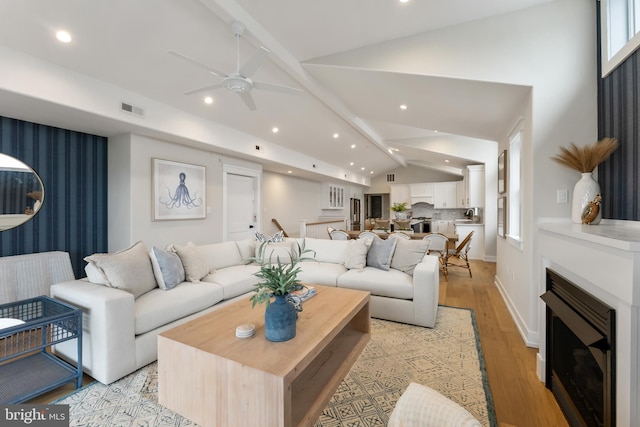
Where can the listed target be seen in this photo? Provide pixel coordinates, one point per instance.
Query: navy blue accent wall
(619, 117)
(73, 168)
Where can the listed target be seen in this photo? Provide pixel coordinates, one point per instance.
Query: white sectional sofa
(131, 303)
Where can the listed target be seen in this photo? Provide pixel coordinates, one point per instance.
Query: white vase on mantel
(583, 193)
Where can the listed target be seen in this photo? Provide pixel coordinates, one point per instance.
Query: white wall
(550, 48)
(130, 193)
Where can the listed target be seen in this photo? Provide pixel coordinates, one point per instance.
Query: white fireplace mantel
(604, 260)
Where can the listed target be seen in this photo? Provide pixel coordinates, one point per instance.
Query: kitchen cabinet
(421, 192)
(461, 194)
(476, 251)
(475, 186)
(443, 226)
(332, 196)
(445, 195)
(400, 193)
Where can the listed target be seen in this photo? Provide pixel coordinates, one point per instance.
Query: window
(514, 202)
(619, 32)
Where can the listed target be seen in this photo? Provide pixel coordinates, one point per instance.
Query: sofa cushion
(380, 253)
(221, 255)
(391, 283)
(325, 250)
(194, 263)
(167, 268)
(236, 280)
(408, 254)
(247, 248)
(158, 307)
(320, 273)
(129, 269)
(272, 251)
(356, 254)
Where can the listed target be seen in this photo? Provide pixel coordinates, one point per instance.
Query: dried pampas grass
(585, 159)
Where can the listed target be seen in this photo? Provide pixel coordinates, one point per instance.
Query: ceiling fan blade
(254, 62)
(277, 88)
(204, 89)
(248, 99)
(197, 63)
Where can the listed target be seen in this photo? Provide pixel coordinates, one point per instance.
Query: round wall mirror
(21, 192)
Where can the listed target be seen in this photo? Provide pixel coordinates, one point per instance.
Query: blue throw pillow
(381, 253)
(167, 268)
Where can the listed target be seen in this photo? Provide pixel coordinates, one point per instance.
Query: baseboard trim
(531, 339)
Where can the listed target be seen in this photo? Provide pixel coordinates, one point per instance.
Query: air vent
(132, 109)
(391, 177)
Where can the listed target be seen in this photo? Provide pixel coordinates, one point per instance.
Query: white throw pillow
(95, 274)
(129, 269)
(408, 254)
(195, 266)
(422, 406)
(356, 253)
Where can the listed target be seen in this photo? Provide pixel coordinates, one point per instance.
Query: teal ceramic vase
(280, 320)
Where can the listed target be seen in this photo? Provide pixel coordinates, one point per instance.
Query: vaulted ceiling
(125, 43)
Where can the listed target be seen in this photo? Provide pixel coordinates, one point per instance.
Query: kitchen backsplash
(428, 211)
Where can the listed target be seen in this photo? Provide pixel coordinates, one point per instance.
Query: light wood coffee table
(213, 378)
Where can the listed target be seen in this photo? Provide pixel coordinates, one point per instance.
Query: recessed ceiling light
(371, 172)
(289, 171)
(208, 100)
(404, 1)
(353, 145)
(351, 164)
(390, 151)
(63, 36)
(403, 107)
(336, 135)
(362, 168)
(275, 130)
(446, 160)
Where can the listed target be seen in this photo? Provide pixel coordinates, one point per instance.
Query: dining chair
(329, 230)
(370, 234)
(438, 246)
(339, 235)
(399, 235)
(461, 254)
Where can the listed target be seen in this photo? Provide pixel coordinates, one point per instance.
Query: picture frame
(178, 190)
(502, 172)
(502, 217)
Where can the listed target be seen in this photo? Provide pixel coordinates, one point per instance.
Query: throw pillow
(278, 237)
(408, 254)
(221, 255)
(195, 266)
(422, 406)
(167, 268)
(129, 269)
(380, 254)
(95, 274)
(356, 253)
(274, 251)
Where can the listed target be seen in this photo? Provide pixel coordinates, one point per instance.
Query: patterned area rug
(447, 358)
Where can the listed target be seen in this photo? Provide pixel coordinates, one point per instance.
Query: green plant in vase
(399, 209)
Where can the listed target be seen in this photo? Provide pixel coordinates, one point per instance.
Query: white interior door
(241, 206)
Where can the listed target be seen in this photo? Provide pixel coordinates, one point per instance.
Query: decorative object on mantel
(585, 160)
(279, 279)
(591, 211)
(400, 210)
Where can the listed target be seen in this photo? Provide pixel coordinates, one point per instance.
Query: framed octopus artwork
(179, 190)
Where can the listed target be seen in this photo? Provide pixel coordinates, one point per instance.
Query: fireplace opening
(580, 356)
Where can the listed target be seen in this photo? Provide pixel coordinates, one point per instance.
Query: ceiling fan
(239, 82)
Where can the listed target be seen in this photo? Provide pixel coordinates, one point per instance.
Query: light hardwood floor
(520, 399)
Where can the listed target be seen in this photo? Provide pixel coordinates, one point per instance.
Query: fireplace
(580, 353)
